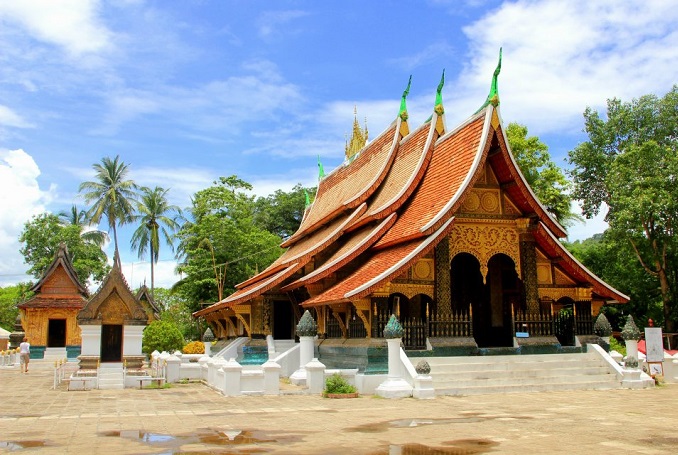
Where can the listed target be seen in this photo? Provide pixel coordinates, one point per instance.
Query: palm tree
(111, 194)
(154, 218)
(79, 218)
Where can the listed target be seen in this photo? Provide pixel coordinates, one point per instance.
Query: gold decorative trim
(409, 290)
(483, 242)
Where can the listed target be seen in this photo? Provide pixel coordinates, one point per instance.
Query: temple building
(49, 317)
(113, 321)
(436, 225)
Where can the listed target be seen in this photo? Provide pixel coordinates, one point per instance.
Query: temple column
(528, 265)
(442, 292)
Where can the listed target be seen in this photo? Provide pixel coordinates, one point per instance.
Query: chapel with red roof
(436, 225)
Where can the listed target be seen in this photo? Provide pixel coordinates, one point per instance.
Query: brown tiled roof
(454, 163)
(405, 173)
(302, 251)
(350, 185)
(378, 269)
(552, 246)
(61, 259)
(54, 301)
(507, 170)
(356, 244)
(249, 292)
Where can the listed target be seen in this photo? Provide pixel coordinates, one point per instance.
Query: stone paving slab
(192, 418)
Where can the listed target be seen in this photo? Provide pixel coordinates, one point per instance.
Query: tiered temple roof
(377, 214)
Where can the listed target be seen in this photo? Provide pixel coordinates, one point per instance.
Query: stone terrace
(192, 418)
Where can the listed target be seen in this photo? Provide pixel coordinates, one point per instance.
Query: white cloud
(22, 198)
(587, 228)
(270, 21)
(560, 57)
(10, 118)
(70, 24)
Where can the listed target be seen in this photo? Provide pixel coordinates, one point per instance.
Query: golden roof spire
(358, 138)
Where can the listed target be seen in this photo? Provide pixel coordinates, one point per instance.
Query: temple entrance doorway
(283, 321)
(491, 301)
(56, 333)
(111, 343)
(563, 321)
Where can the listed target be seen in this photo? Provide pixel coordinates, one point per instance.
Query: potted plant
(337, 387)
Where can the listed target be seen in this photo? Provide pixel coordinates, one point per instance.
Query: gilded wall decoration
(484, 241)
(409, 290)
(423, 270)
(443, 283)
(59, 283)
(544, 274)
(563, 279)
(510, 208)
(482, 201)
(574, 293)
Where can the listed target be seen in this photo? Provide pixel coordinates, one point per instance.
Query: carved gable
(59, 282)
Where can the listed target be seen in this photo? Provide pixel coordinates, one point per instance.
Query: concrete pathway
(192, 418)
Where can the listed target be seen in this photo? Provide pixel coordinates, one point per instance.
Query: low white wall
(289, 361)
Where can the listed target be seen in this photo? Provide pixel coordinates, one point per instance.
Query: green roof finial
(321, 170)
(403, 106)
(439, 94)
(493, 96)
(308, 198)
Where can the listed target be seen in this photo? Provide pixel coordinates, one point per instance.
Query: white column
(315, 376)
(394, 386)
(132, 336)
(232, 377)
(91, 340)
(306, 348)
(271, 378)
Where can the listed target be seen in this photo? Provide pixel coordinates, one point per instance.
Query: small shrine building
(49, 317)
(436, 225)
(113, 320)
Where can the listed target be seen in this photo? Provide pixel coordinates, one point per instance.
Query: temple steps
(111, 376)
(520, 373)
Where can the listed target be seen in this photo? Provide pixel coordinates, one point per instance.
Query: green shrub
(615, 345)
(161, 336)
(194, 347)
(337, 384)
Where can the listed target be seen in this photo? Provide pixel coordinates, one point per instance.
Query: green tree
(177, 311)
(10, 296)
(630, 164)
(613, 260)
(156, 216)
(112, 195)
(224, 238)
(544, 177)
(41, 237)
(78, 218)
(161, 336)
(281, 212)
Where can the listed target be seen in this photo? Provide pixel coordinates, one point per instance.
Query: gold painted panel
(484, 201)
(563, 279)
(484, 241)
(423, 270)
(544, 273)
(37, 325)
(409, 290)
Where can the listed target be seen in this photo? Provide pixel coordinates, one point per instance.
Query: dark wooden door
(111, 343)
(56, 333)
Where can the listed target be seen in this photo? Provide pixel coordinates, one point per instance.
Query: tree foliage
(176, 310)
(10, 296)
(281, 212)
(41, 237)
(630, 164)
(544, 177)
(78, 218)
(111, 194)
(222, 243)
(161, 336)
(156, 217)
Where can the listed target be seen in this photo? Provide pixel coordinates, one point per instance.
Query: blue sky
(187, 91)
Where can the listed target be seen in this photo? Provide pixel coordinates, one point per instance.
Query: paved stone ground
(192, 418)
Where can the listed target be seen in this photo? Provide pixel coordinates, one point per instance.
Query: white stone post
(315, 376)
(91, 340)
(271, 378)
(173, 372)
(232, 376)
(208, 348)
(202, 361)
(394, 386)
(307, 329)
(423, 382)
(631, 348)
(133, 334)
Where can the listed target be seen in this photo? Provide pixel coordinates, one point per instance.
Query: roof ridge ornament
(403, 104)
(493, 96)
(321, 170)
(438, 108)
(358, 138)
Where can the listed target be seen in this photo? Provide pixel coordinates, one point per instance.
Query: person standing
(25, 354)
